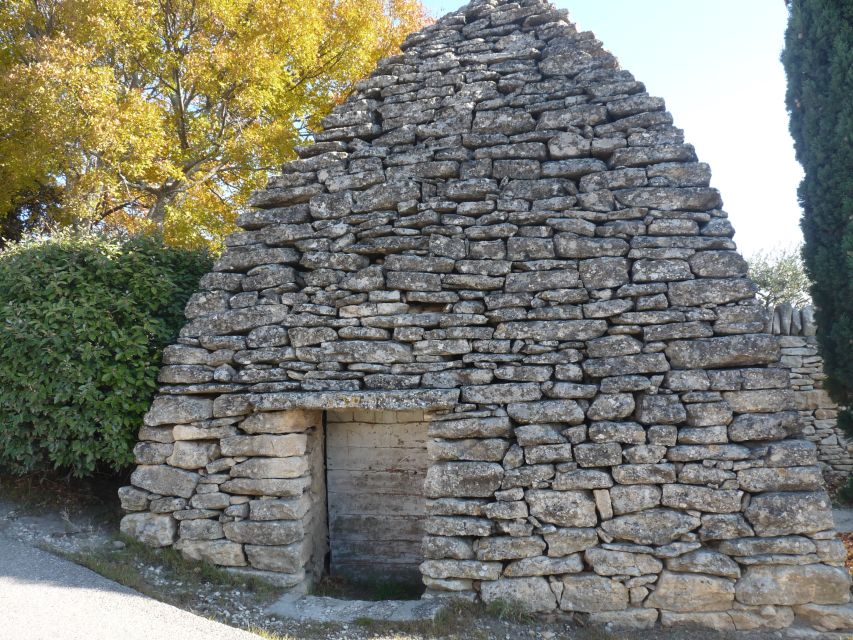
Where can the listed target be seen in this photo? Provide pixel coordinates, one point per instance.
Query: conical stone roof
(501, 227)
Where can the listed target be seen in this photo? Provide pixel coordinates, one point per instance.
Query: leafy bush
(83, 321)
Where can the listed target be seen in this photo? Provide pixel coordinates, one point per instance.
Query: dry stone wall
(818, 413)
(501, 228)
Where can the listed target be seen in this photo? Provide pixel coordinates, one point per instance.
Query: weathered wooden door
(376, 463)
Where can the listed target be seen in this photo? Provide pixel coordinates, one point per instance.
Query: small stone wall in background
(819, 414)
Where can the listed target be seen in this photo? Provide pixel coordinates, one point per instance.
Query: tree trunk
(163, 198)
(157, 212)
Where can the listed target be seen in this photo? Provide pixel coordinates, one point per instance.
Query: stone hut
(491, 330)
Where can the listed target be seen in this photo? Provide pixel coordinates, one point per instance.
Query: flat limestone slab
(323, 609)
(390, 400)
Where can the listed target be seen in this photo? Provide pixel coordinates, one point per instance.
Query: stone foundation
(500, 229)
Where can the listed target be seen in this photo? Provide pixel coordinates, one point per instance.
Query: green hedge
(83, 321)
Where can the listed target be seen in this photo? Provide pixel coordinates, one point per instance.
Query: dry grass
(268, 635)
(126, 566)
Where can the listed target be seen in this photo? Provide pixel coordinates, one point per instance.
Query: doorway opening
(376, 463)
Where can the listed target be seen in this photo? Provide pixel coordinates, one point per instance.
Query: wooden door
(376, 463)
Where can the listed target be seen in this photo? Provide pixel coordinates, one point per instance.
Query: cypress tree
(818, 60)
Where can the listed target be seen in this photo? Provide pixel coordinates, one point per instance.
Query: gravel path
(43, 597)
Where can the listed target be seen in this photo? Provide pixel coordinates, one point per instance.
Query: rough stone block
(781, 479)
(633, 498)
(542, 566)
(437, 547)
(622, 432)
(152, 529)
(221, 552)
(710, 291)
(690, 592)
(681, 496)
(531, 594)
(273, 487)
(606, 562)
(458, 526)
(178, 410)
(509, 548)
(713, 621)
(752, 546)
(501, 393)
(165, 480)
(496, 427)
(614, 406)
(760, 426)
(470, 569)
(582, 479)
(286, 559)
(561, 411)
(705, 561)
(653, 526)
(277, 446)
(598, 455)
(782, 513)
(827, 617)
(644, 473)
(201, 529)
(272, 532)
(564, 542)
(474, 449)
(277, 422)
(133, 499)
(727, 351)
(794, 585)
(660, 410)
(292, 467)
(193, 455)
(562, 508)
(587, 592)
(463, 479)
(761, 401)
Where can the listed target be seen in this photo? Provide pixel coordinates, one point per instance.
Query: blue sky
(717, 66)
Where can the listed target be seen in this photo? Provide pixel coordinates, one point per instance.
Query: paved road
(43, 597)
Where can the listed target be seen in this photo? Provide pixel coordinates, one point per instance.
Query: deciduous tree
(780, 276)
(167, 113)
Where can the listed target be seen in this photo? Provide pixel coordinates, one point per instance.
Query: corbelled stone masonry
(818, 413)
(501, 229)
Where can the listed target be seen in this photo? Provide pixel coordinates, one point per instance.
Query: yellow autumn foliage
(166, 114)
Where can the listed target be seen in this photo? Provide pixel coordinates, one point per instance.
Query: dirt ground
(79, 520)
